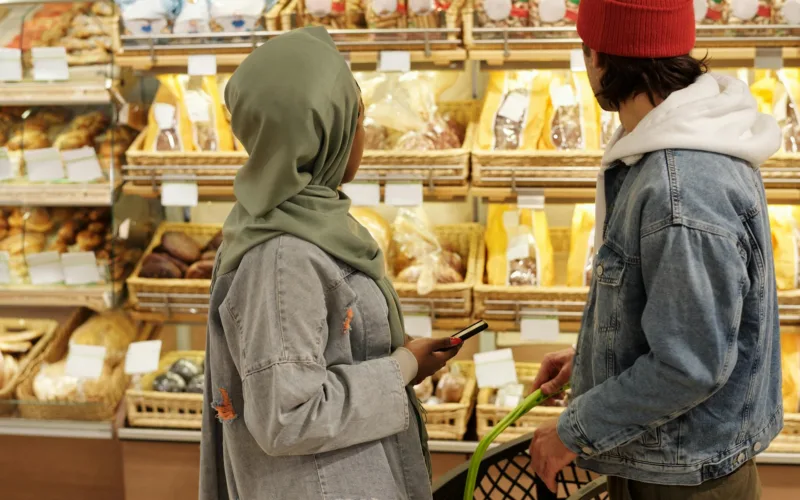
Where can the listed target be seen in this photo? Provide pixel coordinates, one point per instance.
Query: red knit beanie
(638, 28)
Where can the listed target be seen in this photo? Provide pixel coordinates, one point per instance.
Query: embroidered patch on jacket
(225, 411)
(347, 320)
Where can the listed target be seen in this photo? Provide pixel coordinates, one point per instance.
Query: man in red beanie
(676, 381)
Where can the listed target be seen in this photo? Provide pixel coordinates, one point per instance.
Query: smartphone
(470, 331)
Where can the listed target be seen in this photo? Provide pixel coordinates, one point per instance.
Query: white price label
(395, 60)
(531, 199)
(495, 368)
(768, 58)
(418, 325)
(179, 194)
(5, 268)
(43, 164)
(541, 327)
(165, 115)
(514, 107)
(519, 247)
(576, 60)
(202, 65)
(124, 229)
(10, 65)
(363, 194)
(403, 195)
(80, 268)
(142, 357)
(6, 169)
(45, 268)
(82, 165)
(197, 107)
(85, 361)
(50, 64)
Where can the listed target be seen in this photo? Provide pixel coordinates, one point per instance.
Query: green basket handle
(533, 400)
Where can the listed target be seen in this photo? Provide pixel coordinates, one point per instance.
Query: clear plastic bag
(451, 386)
(566, 132)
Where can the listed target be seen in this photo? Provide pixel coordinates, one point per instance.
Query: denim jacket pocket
(651, 438)
(609, 271)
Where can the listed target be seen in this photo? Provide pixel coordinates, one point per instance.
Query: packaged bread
(785, 246)
(168, 129)
(746, 12)
(53, 384)
(553, 13)
(502, 13)
(113, 330)
(786, 12)
(334, 14)
(572, 121)
(785, 100)
(377, 226)
(711, 12)
(194, 17)
(451, 386)
(790, 364)
(581, 246)
(427, 14)
(201, 104)
(146, 17)
(233, 16)
(385, 14)
(518, 245)
(424, 390)
(513, 111)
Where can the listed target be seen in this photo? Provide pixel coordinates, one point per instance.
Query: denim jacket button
(757, 447)
(586, 450)
(599, 270)
(740, 458)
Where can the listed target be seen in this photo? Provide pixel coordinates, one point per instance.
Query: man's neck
(632, 111)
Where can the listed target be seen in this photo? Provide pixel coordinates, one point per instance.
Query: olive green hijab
(294, 106)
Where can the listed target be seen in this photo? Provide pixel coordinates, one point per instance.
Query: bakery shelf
(56, 428)
(21, 193)
(95, 297)
(166, 435)
(88, 85)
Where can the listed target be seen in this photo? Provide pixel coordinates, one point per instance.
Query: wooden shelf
(18, 193)
(88, 85)
(96, 297)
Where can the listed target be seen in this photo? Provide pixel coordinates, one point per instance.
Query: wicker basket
(27, 360)
(197, 163)
(449, 420)
(30, 407)
(488, 415)
(147, 408)
(452, 299)
(173, 292)
(535, 168)
(444, 167)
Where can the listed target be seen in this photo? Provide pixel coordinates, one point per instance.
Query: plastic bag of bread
(710, 12)
(748, 12)
(427, 14)
(194, 17)
(400, 104)
(424, 390)
(168, 129)
(145, 17)
(114, 330)
(451, 386)
(379, 229)
(785, 246)
(235, 15)
(513, 111)
(786, 12)
(385, 14)
(52, 384)
(502, 14)
(573, 121)
(785, 99)
(790, 364)
(437, 134)
(334, 14)
(581, 246)
(201, 104)
(553, 13)
(519, 249)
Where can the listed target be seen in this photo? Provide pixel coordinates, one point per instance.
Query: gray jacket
(302, 398)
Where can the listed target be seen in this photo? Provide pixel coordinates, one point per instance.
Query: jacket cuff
(407, 362)
(570, 433)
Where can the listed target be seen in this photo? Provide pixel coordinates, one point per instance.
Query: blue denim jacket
(677, 376)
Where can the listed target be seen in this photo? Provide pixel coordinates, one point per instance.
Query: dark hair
(626, 77)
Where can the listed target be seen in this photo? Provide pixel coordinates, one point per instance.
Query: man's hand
(554, 372)
(548, 454)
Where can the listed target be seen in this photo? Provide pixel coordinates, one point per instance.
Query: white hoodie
(715, 114)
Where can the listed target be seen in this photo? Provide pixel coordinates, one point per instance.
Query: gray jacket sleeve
(294, 404)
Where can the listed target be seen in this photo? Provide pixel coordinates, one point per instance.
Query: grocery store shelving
(95, 297)
(88, 85)
(56, 428)
(21, 193)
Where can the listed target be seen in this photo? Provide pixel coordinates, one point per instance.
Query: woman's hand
(432, 354)
(554, 373)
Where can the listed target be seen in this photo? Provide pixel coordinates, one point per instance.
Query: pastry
(51, 116)
(29, 140)
(186, 368)
(88, 241)
(196, 385)
(18, 244)
(209, 255)
(200, 270)
(113, 330)
(96, 227)
(169, 382)
(59, 246)
(156, 266)
(181, 246)
(178, 262)
(67, 232)
(450, 388)
(17, 218)
(73, 139)
(39, 221)
(99, 214)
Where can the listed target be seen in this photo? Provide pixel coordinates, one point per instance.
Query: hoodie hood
(715, 114)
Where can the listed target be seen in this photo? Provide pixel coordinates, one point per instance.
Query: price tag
(418, 325)
(363, 194)
(768, 58)
(202, 65)
(519, 247)
(495, 368)
(43, 164)
(540, 327)
(10, 65)
(80, 268)
(124, 229)
(82, 165)
(514, 107)
(85, 361)
(179, 194)
(50, 64)
(45, 268)
(6, 169)
(532, 199)
(403, 195)
(395, 60)
(5, 268)
(142, 357)
(576, 60)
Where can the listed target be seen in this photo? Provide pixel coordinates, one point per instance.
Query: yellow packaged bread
(790, 362)
(519, 250)
(202, 105)
(581, 246)
(168, 128)
(572, 120)
(785, 108)
(114, 330)
(513, 111)
(785, 240)
(377, 226)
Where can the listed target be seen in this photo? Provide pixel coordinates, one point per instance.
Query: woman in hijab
(308, 370)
